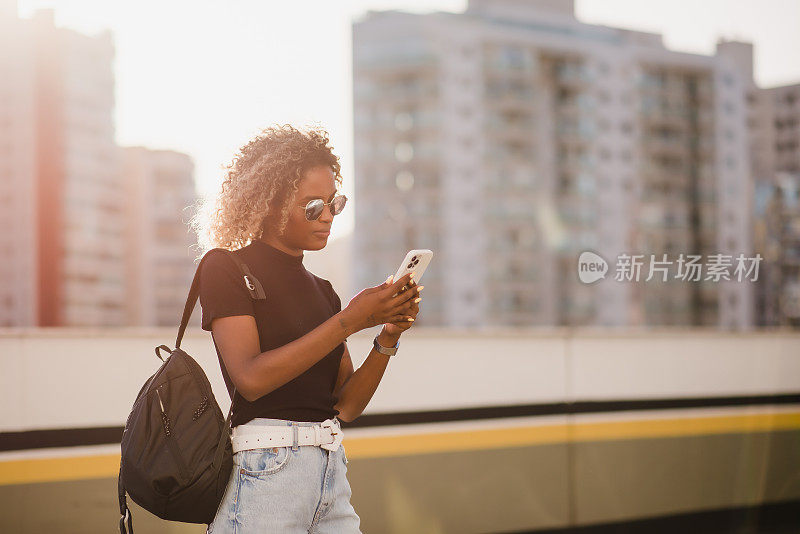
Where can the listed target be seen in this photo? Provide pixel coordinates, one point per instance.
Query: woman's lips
(323, 233)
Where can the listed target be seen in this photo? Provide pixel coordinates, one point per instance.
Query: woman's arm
(256, 373)
(357, 388)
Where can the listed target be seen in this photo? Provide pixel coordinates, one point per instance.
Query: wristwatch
(389, 351)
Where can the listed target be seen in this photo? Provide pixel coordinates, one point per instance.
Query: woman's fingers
(408, 307)
(406, 312)
(409, 294)
(404, 320)
(405, 305)
(398, 285)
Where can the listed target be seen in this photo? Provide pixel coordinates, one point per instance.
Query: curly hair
(260, 186)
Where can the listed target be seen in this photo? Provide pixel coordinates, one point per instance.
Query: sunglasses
(314, 207)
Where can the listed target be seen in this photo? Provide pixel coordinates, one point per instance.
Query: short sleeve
(335, 300)
(222, 289)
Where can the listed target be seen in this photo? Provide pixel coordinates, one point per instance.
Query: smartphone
(416, 261)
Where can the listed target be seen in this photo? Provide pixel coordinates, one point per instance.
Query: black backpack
(176, 448)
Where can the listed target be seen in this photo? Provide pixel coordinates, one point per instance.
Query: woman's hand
(395, 328)
(376, 305)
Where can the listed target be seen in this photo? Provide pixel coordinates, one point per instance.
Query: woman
(284, 357)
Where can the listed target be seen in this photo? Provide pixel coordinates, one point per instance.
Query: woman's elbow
(247, 389)
(345, 416)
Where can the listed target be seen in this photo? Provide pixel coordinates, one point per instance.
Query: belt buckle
(336, 431)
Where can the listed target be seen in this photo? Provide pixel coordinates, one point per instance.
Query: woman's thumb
(389, 280)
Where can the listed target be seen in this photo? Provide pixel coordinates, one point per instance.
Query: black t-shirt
(297, 301)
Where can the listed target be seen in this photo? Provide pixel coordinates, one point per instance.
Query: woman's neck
(272, 241)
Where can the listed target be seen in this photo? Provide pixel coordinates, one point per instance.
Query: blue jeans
(284, 491)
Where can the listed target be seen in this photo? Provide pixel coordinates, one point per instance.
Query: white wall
(76, 377)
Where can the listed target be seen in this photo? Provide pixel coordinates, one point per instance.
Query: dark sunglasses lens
(338, 204)
(314, 209)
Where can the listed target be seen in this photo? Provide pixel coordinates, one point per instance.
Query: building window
(404, 152)
(728, 79)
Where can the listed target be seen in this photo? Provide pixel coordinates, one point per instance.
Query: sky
(202, 77)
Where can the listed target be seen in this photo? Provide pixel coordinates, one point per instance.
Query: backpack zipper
(171, 445)
(204, 402)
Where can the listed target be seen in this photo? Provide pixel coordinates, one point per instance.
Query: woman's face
(319, 182)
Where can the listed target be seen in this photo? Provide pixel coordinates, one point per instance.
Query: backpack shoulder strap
(125, 520)
(251, 283)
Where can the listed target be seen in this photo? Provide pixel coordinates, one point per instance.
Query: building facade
(62, 195)
(512, 137)
(18, 207)
(97, 236)
(159, 187)
(776, 151)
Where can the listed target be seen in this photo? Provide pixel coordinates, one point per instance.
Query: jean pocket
(263, 462)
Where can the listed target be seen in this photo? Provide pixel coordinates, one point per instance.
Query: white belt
(327, 434)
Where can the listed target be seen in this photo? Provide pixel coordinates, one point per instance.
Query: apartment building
(95, 235)
(776, 153)
(159, 261)
(512, 137)
(18, 214)
(61, 198)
